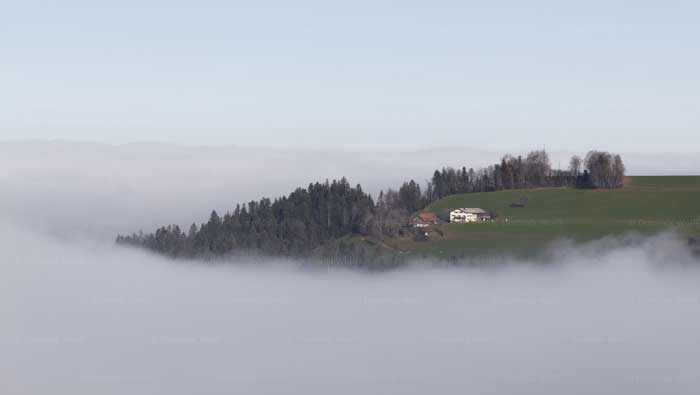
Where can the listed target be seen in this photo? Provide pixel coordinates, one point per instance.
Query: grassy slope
(645, 205)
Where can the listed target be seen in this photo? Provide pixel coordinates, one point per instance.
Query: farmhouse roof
(427, 216)
(472, 210)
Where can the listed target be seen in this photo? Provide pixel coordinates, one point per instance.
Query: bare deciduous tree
(605, 170)
(537, 168)
(575, 166)
(619, 171)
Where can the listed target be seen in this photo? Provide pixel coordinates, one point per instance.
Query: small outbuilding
(423, 220)
(464, 215)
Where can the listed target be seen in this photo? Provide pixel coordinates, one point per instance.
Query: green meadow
(646, 205)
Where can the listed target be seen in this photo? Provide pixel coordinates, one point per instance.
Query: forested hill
(292, 224)
(308, 218)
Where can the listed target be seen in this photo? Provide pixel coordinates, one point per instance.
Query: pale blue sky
(619, 75)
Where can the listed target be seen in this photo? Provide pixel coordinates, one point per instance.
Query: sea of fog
(82, 316)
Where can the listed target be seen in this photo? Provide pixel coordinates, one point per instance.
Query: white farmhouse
(463, 215)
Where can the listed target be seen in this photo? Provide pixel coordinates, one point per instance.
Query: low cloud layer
(82, 316)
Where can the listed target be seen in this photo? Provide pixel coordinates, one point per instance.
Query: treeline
(311, 217)
(533, 171)
(602, 170)
(290, 225)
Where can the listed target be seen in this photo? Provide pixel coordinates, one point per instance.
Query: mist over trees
(311, 217)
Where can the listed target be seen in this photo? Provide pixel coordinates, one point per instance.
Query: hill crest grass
(660, 201)
(646, 205)
(665, 182)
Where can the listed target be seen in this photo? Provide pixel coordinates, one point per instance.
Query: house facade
(465, 215)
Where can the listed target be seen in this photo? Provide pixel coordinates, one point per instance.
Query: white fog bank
(84, 318)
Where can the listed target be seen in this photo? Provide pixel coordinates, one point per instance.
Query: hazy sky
(619, 75)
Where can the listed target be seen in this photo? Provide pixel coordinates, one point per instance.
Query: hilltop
(531, 204)
(646, 204)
